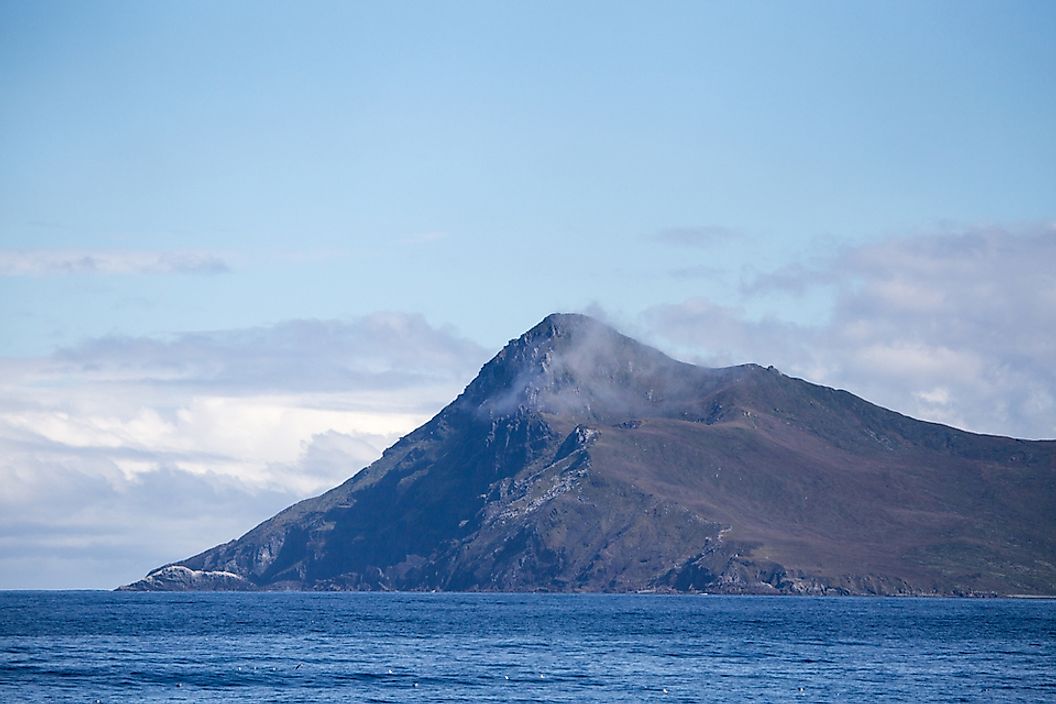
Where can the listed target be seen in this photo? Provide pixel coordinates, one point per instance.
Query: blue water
(347, 647)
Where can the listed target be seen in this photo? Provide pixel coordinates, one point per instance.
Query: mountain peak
(567, 326)
(573, 364)
(561, 331)
(557, 324)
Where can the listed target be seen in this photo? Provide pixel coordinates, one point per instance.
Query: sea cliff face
(581, 460)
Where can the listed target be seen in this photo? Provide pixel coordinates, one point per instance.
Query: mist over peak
(572, 364)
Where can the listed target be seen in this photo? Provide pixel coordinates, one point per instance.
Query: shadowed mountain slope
(581, 460)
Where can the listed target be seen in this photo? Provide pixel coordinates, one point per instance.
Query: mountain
(582, 460)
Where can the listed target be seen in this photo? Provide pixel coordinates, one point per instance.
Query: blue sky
(860, 193)
(487, 163)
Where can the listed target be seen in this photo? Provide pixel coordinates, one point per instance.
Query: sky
(244, 246)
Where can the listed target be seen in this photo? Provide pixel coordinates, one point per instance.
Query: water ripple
(295, 647)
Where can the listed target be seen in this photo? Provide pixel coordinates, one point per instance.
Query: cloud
(717, 335)
(80, 524)
(957, 327)
(697, 236)
(383, 351)
(57, 262)
(326, 457)
(157, 448)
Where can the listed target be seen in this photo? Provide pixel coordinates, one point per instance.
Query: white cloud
(51, 262)
(160, 448)
(380, 351)
(970, 314)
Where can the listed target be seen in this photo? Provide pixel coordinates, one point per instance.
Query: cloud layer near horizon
(956, 328)
(124, 452)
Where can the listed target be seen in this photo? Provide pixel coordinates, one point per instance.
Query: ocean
(401, 647)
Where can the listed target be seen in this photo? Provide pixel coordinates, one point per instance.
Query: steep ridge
(581, 460)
